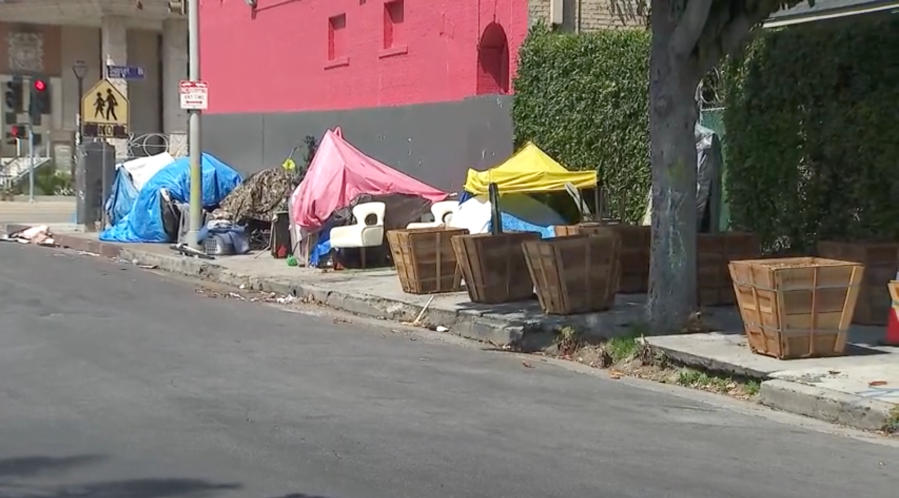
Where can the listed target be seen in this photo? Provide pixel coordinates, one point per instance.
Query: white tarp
(143, 168)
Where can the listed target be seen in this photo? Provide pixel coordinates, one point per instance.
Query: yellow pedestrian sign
(105, 112)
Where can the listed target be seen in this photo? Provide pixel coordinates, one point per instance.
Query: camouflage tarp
(258, 197)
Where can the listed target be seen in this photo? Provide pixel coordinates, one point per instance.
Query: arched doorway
(493, 61)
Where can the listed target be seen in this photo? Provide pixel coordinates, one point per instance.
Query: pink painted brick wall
(279, 61)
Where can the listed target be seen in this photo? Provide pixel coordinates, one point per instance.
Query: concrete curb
(794, 397)
(827, 405)
(706, 364)
(471, 325)
(525, 335)
(823, 404)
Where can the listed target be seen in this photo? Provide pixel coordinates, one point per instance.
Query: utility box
(94, 175)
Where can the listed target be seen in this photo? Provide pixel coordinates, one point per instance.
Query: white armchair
(443, 214)
(367, 231)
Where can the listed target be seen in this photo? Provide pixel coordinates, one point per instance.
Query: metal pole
(104, 186)
(194, 147)
(31, 163)
(78, 113)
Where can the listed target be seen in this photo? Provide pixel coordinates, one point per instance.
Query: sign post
(105, 113)
(195, 148)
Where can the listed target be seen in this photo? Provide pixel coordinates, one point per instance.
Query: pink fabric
(339, 173)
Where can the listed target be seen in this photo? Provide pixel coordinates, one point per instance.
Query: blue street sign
(125, 72)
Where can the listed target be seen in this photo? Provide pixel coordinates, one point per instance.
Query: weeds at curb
(630, 355)
(892, 424)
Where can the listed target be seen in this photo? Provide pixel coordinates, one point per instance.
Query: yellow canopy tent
(530, 170)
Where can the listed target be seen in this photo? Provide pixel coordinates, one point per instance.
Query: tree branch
(728, 27)
(691, 26)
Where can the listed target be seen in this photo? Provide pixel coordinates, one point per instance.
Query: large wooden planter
(713, 253)
(636, 241)
(425, 261)
(575, 274)
(881, 261)
(494, 267)
(796, 307)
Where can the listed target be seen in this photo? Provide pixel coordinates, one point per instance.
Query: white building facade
(46, 38)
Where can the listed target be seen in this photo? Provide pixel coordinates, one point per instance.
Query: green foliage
(812, 114)
(47, 181)
(584, 99)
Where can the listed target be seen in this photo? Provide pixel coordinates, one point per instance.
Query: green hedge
(584, 99)
(812, 115)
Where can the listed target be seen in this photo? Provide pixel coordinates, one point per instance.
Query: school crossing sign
(105, 112)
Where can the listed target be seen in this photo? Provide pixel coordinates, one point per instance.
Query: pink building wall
(288, 58)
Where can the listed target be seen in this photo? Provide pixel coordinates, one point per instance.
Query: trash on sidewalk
(37, 235)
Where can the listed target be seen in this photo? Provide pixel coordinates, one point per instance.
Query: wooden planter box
(881, 260)
(494, 267)
(575, 274)
(636, 241)
(425, 261)
(713, 252)
(796, 307)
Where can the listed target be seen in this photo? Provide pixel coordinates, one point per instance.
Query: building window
(336, 37)
(393, 24)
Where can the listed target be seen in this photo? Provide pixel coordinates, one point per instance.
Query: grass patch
(892, 425)
(622, 348)
(752, 386)
(696, 379)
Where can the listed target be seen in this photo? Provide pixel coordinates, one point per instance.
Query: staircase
(14, 169)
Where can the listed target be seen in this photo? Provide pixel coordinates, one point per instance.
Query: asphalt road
(120, 383)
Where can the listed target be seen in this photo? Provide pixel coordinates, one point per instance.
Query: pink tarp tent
(339, 173)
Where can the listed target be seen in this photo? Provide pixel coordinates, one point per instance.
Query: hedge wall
(584, 99)
(812, 118)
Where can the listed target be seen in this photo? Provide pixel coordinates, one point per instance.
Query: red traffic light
(40, 85)
(14, 131)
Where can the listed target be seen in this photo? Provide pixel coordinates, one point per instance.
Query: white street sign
(194, 95)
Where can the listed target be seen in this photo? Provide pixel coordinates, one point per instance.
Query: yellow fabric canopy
(530, 170)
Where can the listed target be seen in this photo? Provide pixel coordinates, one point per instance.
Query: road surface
(116, 382)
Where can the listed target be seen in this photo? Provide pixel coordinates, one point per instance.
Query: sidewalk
(860, 389)
(57, 212)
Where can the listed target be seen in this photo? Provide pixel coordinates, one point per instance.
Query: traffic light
(40, 100)
(14, 132)
(13, 95)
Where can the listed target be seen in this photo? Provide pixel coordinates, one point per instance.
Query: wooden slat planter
(713, 252)
(425, 261)
(494, 267)
(636, 241)
(796, 307)
(881, 261)
(574, 274)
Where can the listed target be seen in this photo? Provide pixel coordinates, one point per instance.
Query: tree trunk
(672, 118)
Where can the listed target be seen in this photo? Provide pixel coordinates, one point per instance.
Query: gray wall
(435, 143)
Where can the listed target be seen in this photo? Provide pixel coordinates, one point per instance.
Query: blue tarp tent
(122, 197)
(131, 176)
(144, 222)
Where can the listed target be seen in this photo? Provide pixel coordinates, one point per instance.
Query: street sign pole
(30, 162)
(104, 188)
(194, 146)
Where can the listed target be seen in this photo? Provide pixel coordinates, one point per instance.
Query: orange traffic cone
(892, 338)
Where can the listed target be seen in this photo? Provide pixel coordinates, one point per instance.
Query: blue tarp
(144, 222)
(122, 197)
